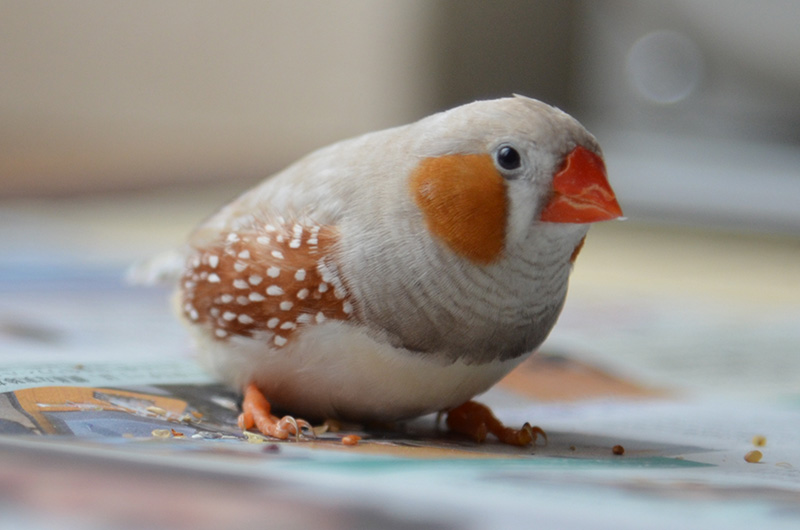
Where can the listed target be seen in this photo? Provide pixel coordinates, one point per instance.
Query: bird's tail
(161, 269)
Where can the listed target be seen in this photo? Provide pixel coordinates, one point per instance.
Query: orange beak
(581, 193)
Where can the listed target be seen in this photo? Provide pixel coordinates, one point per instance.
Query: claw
(286, 422)
(534, 432)
(477, 421)
(306, 429)
(256, 412)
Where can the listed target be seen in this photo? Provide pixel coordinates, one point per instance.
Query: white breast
(336, 370)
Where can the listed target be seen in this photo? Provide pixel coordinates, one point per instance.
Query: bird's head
(491, 171)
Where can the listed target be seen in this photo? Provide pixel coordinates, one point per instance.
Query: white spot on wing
(274, 290)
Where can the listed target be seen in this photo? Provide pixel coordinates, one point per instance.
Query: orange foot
(256, 412)
(477, 421)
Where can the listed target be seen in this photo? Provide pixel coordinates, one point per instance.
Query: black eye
(508, 158)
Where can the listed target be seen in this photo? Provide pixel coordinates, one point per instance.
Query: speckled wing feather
(265, 277)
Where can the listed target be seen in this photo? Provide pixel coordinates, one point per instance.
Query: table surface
(679, 344)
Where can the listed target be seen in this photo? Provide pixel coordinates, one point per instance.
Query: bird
(399, 273)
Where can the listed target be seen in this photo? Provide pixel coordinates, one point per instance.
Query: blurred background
(123, 124)
(698, 104)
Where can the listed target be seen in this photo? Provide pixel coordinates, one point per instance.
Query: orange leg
(256, 412)
(477, 421)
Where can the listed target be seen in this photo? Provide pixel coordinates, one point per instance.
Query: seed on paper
(753, 456)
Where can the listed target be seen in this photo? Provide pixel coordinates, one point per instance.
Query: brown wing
(267, 279)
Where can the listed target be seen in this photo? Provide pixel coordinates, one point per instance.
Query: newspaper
(164, 423)
(107, 421)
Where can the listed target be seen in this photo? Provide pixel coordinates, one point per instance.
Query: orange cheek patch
(463, 199)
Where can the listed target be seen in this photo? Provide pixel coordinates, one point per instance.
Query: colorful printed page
(661, 409)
